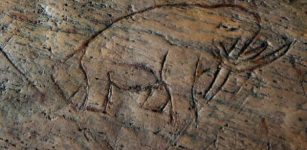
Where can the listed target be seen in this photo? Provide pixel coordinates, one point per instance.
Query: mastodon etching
(146, 50)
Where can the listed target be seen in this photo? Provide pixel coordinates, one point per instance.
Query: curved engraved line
(248, 55)
(260, 61)
(250, 41)
(215, 76)
(194, 102)
(108, 98)
(85, 44)
(235, 53)
(149, 94)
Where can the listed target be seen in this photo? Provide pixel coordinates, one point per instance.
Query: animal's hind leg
(99, 88)
(171, 102)
(158, 100)
(108, 97)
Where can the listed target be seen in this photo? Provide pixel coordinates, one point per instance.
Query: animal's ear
(237, 21)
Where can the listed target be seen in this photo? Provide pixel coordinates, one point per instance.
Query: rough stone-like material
(153, 74)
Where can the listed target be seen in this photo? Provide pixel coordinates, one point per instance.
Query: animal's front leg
(177, 75)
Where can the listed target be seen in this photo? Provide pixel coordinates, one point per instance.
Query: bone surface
(153, 74)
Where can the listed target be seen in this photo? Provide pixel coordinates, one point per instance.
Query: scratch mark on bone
(59, 89)
(28, 80)
(194, 100)
(212, 82)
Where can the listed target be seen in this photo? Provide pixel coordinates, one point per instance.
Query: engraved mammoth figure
(165, 50)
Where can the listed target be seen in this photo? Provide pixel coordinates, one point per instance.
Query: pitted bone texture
(153, 74)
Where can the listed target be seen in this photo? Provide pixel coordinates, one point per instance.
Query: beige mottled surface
(145, 74)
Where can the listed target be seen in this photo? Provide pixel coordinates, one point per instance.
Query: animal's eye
(228, 27)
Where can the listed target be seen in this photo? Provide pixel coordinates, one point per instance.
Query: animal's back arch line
(86, 43)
